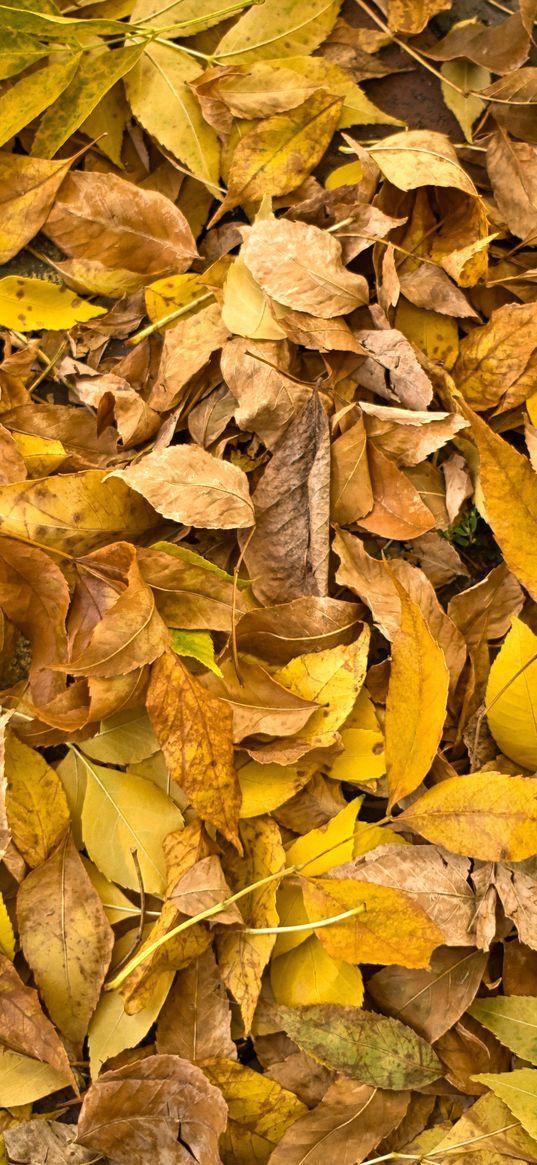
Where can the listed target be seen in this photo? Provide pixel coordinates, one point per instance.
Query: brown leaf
(409, 435)
(349, 1122)
(188, 346)
(66, 938)
(202, 887)
(512, 169)
(13, 465)
(484, 611)
(194, 731)
(434, 879)
(144, 1107)
(288, 554)
(130, 631)
(304, 625)
(101, 216)
(187, 484)
(35, 596)
(243, 957)
(430, 1001)
(398, 510)
(279, 153)
(500, 47)
(23, 1025)
(195, 1021)
(309, 275)
(391, 353)
(409, 17)
(43, 1142)
(260, 705)
(351, 495)
(189, 591)
(267, 398)
(428, 286)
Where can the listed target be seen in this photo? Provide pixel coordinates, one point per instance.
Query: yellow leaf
(260, 1111)
(75, 512)
(124, 812)
(36, 804)
(362, 759)
(279, 28)
(512, 718)
(279, 152)
(28, 97)
(72, 773)
(194, 729)
(116, 905)
(333, 678)
(310, 975)
(357, 108)
(509, 487)
(264, 787)
(485, 815)
(23, 1079)
(162, 101)
(291, 912)
(7, 937)
(242, 958)
(165, 296)
(111, 1029)
(42, 455)
(329, 846)
(66, 939)
(412, 17)
(245, 310)
(29, 305)
(464, 105)
(98, 70)
(347, 175)
(437, 335)
(29, 186)
(416, 701)
(391, 930)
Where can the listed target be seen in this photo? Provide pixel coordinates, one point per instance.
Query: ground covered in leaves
(268, 584)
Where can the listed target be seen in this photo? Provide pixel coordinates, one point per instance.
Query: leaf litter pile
(268, 584)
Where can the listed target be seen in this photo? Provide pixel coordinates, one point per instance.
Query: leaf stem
(302, 926)
(168, 319)
(219, 906)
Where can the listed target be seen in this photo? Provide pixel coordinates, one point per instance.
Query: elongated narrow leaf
(416, 702)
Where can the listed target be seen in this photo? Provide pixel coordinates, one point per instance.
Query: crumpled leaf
(141, 1107)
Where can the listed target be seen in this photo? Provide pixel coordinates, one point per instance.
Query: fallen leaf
(259, 1111)
(279, 152)
(409, 19)
(101, 216)
(66, 938)
(141, 1107)
(287, 555)
(512, 718)
(28, 305)
(243, 957)
(489, 815)
(418, 678)
(321, 285)
(280, 29)
(391, 929)
(421, 157)
(25, 1028)
(36, 804)
(309, 975)
(513, 1020)
(196, 1018)
(431, 1001)
(187, 484)
(351, 1118)
(494, 357)
(517, 1089)
(377, 1051)
(194, 731)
